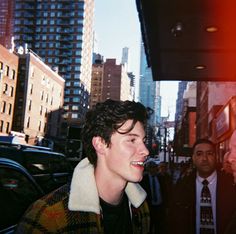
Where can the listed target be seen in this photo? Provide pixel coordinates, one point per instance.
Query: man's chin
(205, 171)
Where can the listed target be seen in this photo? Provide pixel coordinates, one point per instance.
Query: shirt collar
(210, 178)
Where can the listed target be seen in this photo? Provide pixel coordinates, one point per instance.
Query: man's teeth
(137, 163)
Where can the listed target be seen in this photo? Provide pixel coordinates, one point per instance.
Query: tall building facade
(97, 80)
(110, 81)
(61, 33)
(116, 83)
(39, 99)
(8, 81)
(149, 90)
(6, 22)
(125, 57)
(179, 102)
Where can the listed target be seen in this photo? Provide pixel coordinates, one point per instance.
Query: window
(28, 122)
(75, 108)
(9, 108)
(31, 88)
(41, 95)
(41, 110)
(75, 99)
(32, 72)
(13, 74)
(43, 80)
(76, 91)
(30, 105)
(74, 116)
(68, 83)
(1, 125)
(5, 87)
(11, 91)
(7, 70)
(39, 128)
(3, 109)
(7, 127)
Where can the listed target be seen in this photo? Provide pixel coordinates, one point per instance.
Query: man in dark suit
(187, 204)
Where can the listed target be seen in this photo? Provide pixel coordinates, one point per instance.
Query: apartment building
(8, 81)
(39, 98)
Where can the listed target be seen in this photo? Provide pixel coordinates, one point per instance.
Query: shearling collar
(84, 195)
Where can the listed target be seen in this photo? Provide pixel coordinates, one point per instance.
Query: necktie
(206, 215)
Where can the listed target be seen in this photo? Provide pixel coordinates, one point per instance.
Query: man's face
(125, 156)
(204, 159)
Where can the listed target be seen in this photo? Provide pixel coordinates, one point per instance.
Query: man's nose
(144, 150)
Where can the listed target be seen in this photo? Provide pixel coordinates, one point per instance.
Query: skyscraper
(6, 22)
(61, 33)
(149, 90)
(125, 57)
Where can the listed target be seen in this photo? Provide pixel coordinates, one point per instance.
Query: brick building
(8, 80)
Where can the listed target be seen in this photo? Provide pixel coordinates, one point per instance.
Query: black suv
(18, 190)
(50, 169)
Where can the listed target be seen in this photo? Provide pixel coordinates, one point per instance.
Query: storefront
(223, 125)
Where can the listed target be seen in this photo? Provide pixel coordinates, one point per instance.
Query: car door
(18, 190)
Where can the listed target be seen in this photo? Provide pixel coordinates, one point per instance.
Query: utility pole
(165, 136)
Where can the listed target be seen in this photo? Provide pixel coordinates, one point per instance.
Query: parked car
(50, 169)
(18, 190)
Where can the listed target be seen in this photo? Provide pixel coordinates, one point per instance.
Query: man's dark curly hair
(106, 118)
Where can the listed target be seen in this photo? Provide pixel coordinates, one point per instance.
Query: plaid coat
(75, 208)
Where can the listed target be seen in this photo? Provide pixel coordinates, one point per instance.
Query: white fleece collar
(84, 195)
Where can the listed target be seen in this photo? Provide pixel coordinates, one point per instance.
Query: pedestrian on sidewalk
(157, 184)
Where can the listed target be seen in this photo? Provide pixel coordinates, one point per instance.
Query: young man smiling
(104, 196)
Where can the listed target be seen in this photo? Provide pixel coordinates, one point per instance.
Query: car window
(59, 164)
(17, 192)
(11, 153)
(37, 162)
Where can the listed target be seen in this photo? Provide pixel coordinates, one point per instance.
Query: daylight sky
(117, 26)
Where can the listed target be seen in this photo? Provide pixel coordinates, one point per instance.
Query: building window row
(6, 126)
(8, 90)
(5, 70)
(4, 108)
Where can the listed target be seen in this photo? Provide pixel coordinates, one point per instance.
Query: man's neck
(110, 189)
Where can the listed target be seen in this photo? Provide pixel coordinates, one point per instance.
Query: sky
(117, 26)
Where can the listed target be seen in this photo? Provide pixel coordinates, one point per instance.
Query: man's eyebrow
(132, 134)
(136, 135)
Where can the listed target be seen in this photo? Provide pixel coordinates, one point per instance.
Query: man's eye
(199, 153)
(132, 140)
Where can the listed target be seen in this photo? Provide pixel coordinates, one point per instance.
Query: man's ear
(99, 144)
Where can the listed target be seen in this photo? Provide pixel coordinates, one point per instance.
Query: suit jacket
(231, 228)
(76, 208)
(182, 213)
